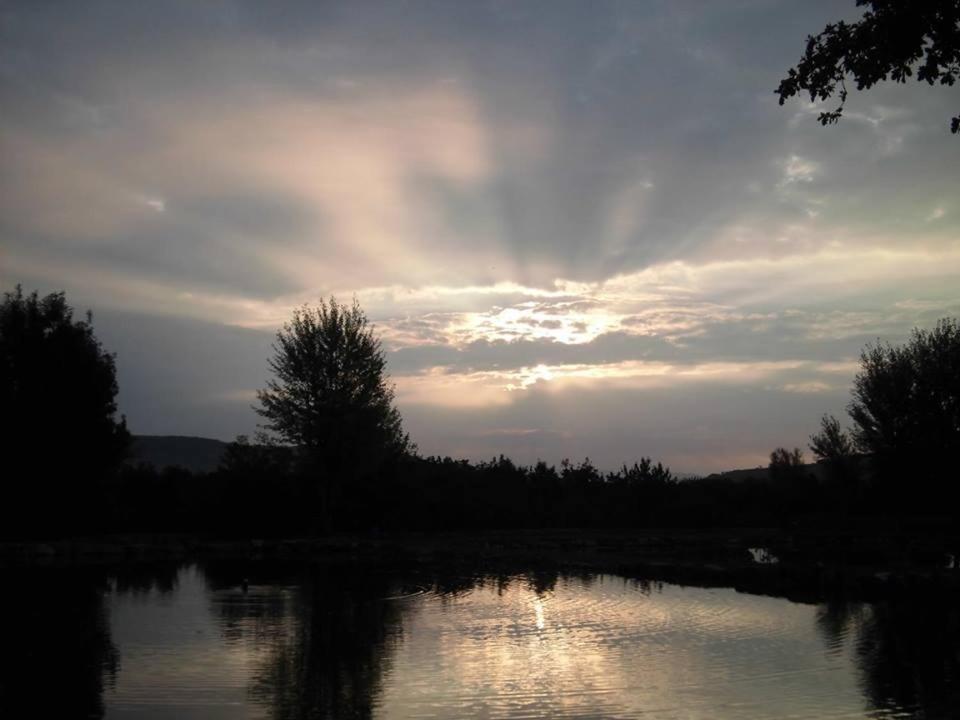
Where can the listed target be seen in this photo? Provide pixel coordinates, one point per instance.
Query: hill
(192, 453)
(819, 470)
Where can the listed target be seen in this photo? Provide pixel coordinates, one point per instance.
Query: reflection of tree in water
(144, 578)
(57, 650)
(330, 638)
(907, 649)
(331, 630)
(835, 620)
(542, 582)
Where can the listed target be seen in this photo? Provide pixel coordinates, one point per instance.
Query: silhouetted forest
(259, 491)
(339, 460)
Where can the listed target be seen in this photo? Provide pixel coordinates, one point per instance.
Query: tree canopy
(895, 40)
(330, 394)
(58, 393)
(786, 465)
(831, 444)
(906, 402)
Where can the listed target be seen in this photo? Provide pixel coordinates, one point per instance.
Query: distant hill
(819, 470)
(192, 453)
(758, 473)
(762, 474)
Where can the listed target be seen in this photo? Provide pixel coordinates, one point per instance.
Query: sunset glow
(533, 215)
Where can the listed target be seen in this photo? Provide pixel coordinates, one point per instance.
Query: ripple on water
(605, 647)
(527, 646)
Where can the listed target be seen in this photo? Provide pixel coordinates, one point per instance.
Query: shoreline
(806, 566)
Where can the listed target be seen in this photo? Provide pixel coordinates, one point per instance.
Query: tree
(330, 396)
(895, 40)
(831, 444)
(644, 475)
(834, 447)
(58, 393)
(786, 465)
(906, 404)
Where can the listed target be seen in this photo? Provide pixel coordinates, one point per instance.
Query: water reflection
(56, 653)
(330, 637)
(348, 641)
(907, 651)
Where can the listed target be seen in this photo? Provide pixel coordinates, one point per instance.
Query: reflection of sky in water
(173, 660)
(602, 647)
(608, 649)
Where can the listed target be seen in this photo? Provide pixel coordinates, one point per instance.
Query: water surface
(348, 641)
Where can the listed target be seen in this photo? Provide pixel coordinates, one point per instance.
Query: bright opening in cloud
(542, 222)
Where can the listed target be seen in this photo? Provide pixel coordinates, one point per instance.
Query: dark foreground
(804, 563)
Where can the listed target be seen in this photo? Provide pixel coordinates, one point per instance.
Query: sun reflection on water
(538, 612)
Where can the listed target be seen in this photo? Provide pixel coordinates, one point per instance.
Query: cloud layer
(581, 228)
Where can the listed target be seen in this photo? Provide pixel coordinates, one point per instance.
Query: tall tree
(330, 396)
(906, 405)
(895, 40)
(60, 434)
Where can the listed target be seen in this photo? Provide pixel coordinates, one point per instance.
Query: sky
(581, 229)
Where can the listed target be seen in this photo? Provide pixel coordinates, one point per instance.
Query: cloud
(446, 386)
(157, 204)
(538, 205)
(347, 172)
(813, 386)
(798, 170)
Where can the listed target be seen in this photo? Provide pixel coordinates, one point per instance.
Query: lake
(329, 640)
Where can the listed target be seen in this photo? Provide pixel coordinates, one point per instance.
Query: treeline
(336, 459)
(264, 491)
(270, 490)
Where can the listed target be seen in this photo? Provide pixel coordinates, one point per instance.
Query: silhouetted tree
(261, 458)
(831, 443)
(259, 487)
(906, 404)
(58, 390)
(786, 464)
(645, 474)
(330, 396)
(781, 457)
(834, 447)
(894, 40)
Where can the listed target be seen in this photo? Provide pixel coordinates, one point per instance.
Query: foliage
(783, 458)
(834, 447)
(644, 474)
(257, 495)
(58, 393)
(330, 395)
(895, 40)
(831, 444)
(260, 458)
(330, 399)
(906, 402)
(786, 464)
